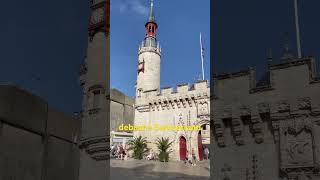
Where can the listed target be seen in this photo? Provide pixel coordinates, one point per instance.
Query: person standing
(112, 151)
(206, 151)
(193, 157)
(118, 152)
(190, 158)
(121, 152)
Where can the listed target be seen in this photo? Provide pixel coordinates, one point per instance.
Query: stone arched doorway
(200, 146)
(183, 148)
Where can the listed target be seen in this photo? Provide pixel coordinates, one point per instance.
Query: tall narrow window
(139, 92)
(96, 98)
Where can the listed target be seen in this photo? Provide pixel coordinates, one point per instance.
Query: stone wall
(269, 131)
(121, 109)
(186, 106)
(37, 142)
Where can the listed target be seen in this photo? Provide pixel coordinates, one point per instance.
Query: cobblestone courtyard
(149, 170)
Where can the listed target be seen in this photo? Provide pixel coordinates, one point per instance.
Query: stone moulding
(143, 108)
(96, 147)
(186, 101)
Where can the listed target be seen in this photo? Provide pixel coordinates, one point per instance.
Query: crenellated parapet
(185, 96)
(276, 77)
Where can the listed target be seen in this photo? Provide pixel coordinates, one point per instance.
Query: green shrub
(163, 145)
(139, 147)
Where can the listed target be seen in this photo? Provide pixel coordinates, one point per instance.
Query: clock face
(97, 16)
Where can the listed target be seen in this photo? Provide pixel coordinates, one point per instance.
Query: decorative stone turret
(148, 78)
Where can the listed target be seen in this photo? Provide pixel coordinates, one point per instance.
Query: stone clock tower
(95, 106)
(148, 78)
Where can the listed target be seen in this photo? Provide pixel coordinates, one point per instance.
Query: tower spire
(151, 14)
(151, 25)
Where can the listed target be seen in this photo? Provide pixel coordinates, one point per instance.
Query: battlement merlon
(183, 92)
(185, 88)
(276, 76)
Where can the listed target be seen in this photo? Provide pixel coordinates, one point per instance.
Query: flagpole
(201, 51)
(297, 28)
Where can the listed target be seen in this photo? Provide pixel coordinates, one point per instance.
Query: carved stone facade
(273, 128)
(186, 106)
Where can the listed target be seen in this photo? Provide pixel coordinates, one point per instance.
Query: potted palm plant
(139, 147)
(163, 145)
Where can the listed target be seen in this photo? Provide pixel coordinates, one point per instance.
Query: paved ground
(149, 170)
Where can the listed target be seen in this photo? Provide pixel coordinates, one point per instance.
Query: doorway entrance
(200, 146)
(183, 148)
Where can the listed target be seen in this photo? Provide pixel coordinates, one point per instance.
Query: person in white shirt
(151, 155)
(206, 152)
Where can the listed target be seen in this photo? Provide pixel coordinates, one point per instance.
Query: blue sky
(243, 31)
(43, 53)
(180, 23)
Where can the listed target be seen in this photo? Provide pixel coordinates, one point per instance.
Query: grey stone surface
(121, 109)
(270, 131)
(63, 126)
(28, 147)
(17, 104)
(62, 160)
(21, 154)
(117, 96)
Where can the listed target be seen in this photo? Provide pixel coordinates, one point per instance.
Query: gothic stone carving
(237, 131)
(283, 106)
(304, 103)
(257, 130)
(296, 146)
(203, 108)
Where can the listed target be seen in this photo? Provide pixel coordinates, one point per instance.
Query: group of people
(191, 157)
(118, 151)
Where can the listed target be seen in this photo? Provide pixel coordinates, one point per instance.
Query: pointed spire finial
(151, 14)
